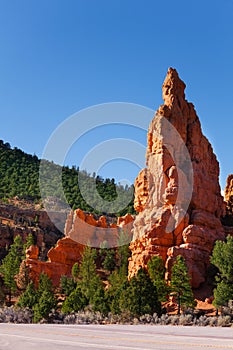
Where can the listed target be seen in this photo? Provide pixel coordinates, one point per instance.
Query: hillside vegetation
(19, 176)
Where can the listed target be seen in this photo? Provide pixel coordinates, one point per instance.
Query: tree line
(19, 176)
(84, 288)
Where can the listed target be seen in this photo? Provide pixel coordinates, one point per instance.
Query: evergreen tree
(89, 279)
(75, 271)
(46, 303)
(140, 297)
(109, 262)
(29, 298)
(67, 285)
(123, 252)
(11, 264)
(99, 301)
(75, 301)
(156, 271)
(118, 283)
(222, 258)
(45, 284)
(180, 285)
(29, 241)
(90, 282)
(19, 173)
(45, 298)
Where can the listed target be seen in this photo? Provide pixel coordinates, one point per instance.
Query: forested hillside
(19, 176)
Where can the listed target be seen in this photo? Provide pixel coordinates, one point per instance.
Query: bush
(224, 321)
(15, 315)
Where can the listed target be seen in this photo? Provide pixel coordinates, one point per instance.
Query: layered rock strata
(178, 195)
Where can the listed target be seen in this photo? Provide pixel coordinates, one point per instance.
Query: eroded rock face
(178, 195)
(61, 258)
(229, 194)
(228, 218)
(80, 229)
(86, 229)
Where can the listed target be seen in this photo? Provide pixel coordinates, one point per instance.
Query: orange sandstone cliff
(177, 195)
(81, 229)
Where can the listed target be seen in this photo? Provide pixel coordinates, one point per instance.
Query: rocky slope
(178, 195)
(22, 218)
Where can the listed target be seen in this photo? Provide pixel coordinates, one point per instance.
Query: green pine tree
(140, 297)
(180, 285)
(99, 301)
(222, 258)
(46, 303)
(29, 241)
(156, 271)
(29, 298)
(123, 252)
(11, 264)
(109, 262)
(89, 279)
(45, 284)
(75, 271)
(67, 285)
(74, 302)
(46, 300)
(118, 283)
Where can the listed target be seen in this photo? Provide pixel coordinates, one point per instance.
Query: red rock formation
(229, 195)
(229, 189)
(60, 260)
(178, 194)
(228, 219)
(141, 191)
(85, 229)
(80, 229)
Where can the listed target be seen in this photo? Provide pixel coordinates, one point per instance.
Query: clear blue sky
(60, 56)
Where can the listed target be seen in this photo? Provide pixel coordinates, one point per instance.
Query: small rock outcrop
(228, 218)
(61, 258)
(178, 195)
(229, 195)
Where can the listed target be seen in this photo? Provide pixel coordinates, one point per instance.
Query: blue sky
(60, 56)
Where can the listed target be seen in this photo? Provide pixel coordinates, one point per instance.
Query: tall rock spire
(177, 195)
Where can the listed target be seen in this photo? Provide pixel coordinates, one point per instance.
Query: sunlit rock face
(81, 229)
(178, 195)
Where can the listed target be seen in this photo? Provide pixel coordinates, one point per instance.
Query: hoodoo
(178, 195)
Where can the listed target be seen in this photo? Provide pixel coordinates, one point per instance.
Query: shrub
(224, 321)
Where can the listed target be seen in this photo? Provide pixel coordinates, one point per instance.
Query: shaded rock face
(20, 221)
(178, 195)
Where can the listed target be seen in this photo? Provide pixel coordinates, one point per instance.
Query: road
(115, 337)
